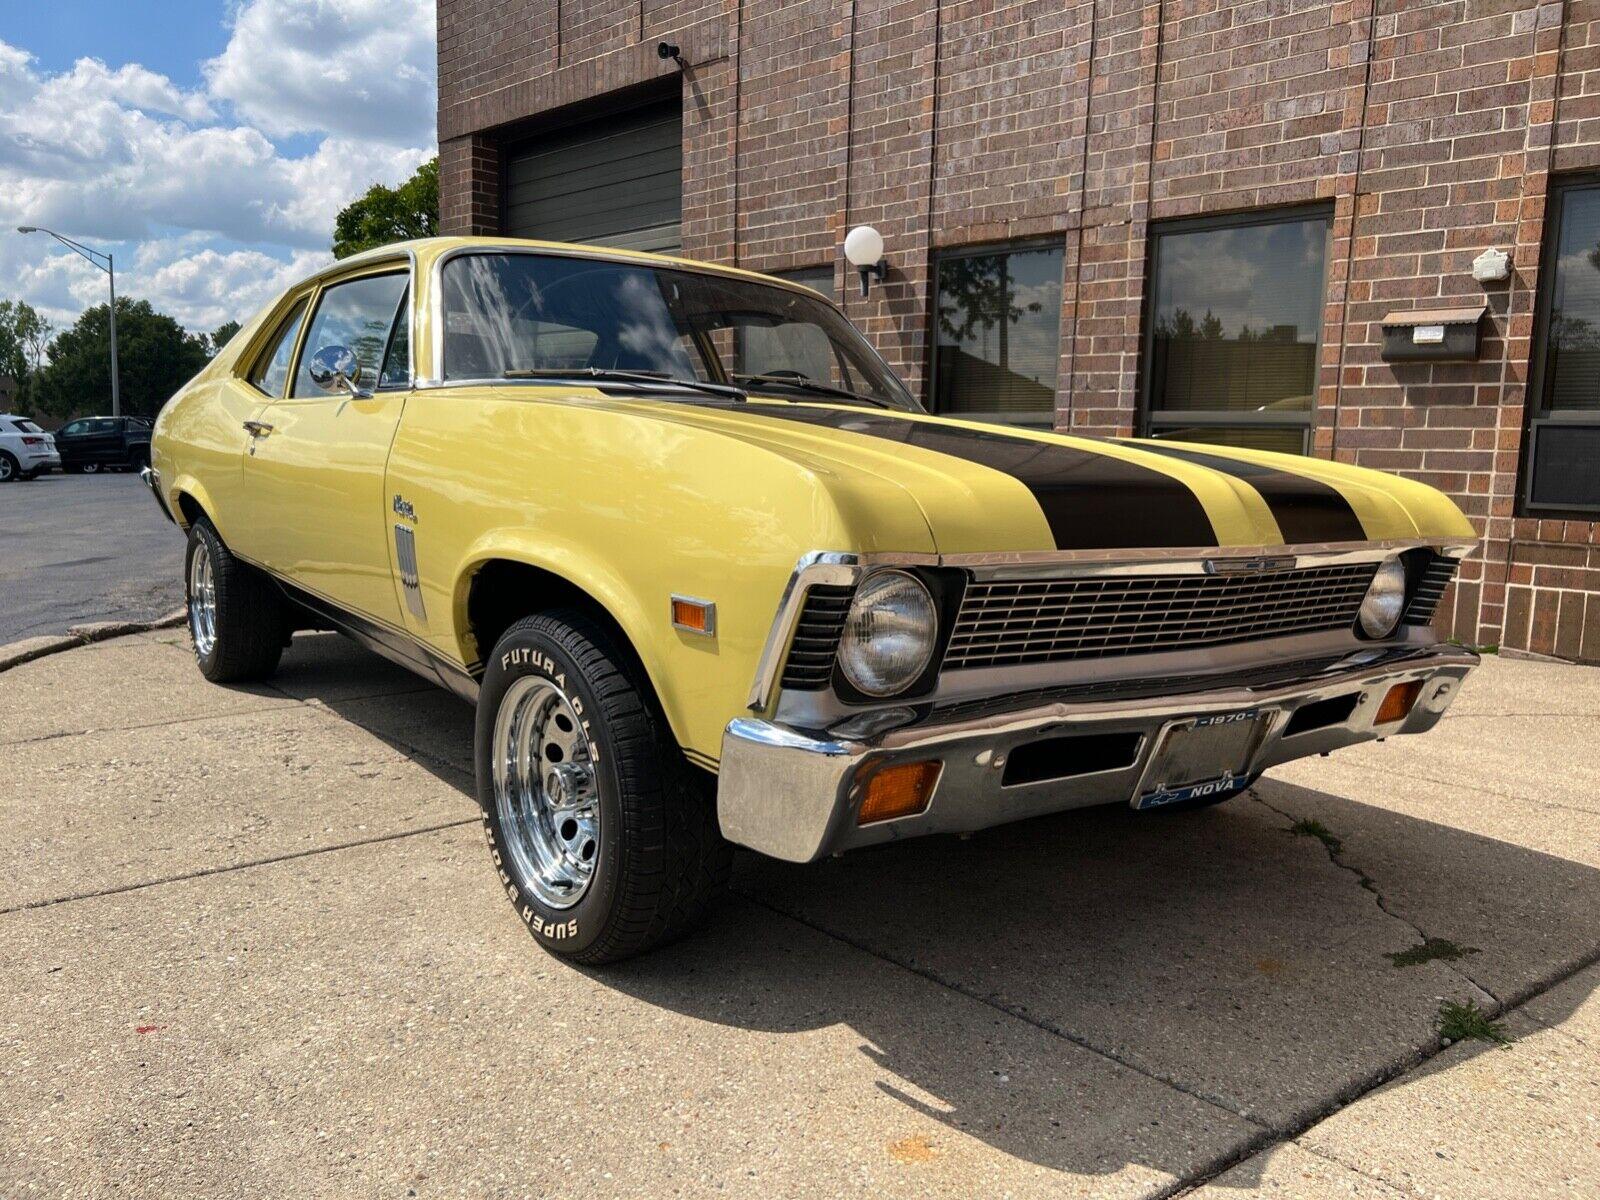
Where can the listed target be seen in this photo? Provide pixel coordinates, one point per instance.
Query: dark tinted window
(818, 279)
(75, 427)
(1235, 319)
(997, 334)
(357, 315)
(1564, 416)
(272, 368)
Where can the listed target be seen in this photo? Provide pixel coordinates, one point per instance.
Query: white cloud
(208, 216)
(354, 68)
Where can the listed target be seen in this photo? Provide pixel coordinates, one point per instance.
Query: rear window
(26, 426)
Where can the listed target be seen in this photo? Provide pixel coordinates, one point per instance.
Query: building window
(997, 333)
(818, 279)
(1563, 444)
(1235, 322)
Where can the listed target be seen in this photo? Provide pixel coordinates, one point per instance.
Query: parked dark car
(92, 444)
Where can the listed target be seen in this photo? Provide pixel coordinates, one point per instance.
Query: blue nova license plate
(1200, 757)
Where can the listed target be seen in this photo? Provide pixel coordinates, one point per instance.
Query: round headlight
(1385, 601)
(889, 634)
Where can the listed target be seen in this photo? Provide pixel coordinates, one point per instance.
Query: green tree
(157, 356)
(24, 334)
(388, 214)
(222, 335)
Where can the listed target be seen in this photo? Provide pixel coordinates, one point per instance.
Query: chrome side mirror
(336, 369)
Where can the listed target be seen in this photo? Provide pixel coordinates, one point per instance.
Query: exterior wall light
(863, 247)
(1491, 266)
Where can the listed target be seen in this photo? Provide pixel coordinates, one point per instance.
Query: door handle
(257, 428)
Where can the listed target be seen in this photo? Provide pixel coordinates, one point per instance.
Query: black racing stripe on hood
(1090, 501)
(1307, 510)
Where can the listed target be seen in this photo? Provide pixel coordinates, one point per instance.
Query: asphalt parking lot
(250, 946)
(82, 548)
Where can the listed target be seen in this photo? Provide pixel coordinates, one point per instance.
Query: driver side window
(357, 315)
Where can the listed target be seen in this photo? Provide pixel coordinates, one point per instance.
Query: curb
(14, 654)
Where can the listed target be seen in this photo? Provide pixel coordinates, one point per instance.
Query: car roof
(433, 248)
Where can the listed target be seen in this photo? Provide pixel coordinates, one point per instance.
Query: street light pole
(109, 267)
(116, 391)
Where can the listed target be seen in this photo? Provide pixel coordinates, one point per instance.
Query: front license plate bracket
(1197, 757)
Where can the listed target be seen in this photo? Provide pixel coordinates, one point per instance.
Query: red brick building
(1119, 216)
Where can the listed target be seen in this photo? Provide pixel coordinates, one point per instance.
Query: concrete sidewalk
(250, 945)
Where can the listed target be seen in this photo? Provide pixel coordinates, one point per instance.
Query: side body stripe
(1306, 510)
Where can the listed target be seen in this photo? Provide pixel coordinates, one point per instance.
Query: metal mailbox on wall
(1432, 335)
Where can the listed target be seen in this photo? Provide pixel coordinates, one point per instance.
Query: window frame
(1150, 419)
(314, 304)
(246, 370)
(1536, 416)
(937, 259)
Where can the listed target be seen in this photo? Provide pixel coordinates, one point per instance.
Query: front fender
(649, 632)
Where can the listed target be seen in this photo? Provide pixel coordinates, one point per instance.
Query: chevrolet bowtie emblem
(1248, 566)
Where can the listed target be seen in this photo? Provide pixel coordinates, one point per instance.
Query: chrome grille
(1007, 623)
(1430, 590)
(809, 666)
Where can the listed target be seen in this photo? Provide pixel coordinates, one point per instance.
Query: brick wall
(1431, 130)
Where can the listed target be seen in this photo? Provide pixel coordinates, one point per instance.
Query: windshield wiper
(605, 375)
(801, 384)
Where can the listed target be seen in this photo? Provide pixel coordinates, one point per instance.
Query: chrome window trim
(847, 568)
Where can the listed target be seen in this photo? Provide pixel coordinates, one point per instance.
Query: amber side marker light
(902, 790)
(1397, 704)
(694, 616)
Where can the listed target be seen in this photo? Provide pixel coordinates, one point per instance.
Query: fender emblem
(402, 507)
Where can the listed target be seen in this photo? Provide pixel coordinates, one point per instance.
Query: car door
(104, 444)
(314, 472)
(69, 442)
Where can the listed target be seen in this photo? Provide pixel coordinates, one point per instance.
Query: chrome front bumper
(152, 480)
(794, 795)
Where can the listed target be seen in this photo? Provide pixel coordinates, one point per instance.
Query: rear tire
(10, 469)
(605, 838)
(90, 468)
(237, 618)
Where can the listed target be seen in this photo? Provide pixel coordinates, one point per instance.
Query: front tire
(605, 839)
(237, 618)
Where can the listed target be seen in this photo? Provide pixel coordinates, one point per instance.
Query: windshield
(522, 315)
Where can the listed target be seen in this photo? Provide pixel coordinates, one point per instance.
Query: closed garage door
(615, 182)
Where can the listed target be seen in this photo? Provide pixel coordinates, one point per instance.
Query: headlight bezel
(859, 684)
(1396, 583)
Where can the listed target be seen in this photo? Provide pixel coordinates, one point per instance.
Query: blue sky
(207, 143)
(116, 31)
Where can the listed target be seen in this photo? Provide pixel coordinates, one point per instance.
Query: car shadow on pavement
(1118, 974)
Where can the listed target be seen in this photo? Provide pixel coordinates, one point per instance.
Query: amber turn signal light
(1397, 704)
(902, 790)
(694, 616)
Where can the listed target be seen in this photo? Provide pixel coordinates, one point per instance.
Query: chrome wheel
(545, 791)
(6, 469)
(202, 600)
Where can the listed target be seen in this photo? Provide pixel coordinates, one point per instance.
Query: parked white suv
(25, 449)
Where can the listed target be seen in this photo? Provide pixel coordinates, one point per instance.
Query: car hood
(987, 488)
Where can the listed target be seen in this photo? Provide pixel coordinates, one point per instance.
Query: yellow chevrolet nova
(712, 576)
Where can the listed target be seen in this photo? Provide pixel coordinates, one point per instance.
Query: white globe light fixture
(863, 247)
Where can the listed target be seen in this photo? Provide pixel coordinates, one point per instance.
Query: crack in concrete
(1077, 1039)
(224, 869)
(1336, 856)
